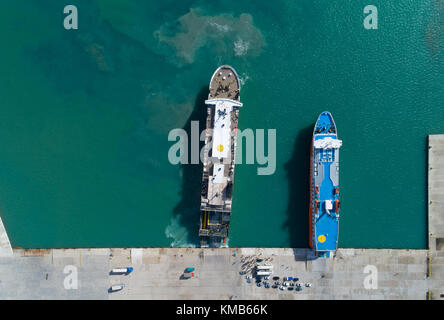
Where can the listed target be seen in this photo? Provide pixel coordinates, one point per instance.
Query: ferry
(223, 105)
(324, 187)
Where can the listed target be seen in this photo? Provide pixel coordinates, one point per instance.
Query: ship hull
(324, 187)
(223, 107)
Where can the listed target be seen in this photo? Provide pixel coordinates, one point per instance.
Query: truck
(122, 270)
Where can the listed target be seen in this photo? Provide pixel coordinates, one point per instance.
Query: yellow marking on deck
(214, 224)
(322, 238)
(220, 148)
(205, 220)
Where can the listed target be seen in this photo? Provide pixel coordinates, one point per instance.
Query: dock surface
(436, 192)
(435, 270)
(40, 274)
(5, 244)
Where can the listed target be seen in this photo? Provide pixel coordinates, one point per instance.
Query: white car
(117, 287)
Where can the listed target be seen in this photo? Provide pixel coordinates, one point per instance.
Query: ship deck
(219, 153)
(225, 84)
(326, 181)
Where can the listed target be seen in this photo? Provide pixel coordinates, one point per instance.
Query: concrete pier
(42, 274)
(5, 244)
(435, 270)
(436, 192)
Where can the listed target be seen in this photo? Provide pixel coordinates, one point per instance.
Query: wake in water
(241, 47)
(221, 35)
(243, 78)
(178, 234)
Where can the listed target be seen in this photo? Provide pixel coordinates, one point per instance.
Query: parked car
(117, 287)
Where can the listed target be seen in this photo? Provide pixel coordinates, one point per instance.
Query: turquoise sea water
(85, 116)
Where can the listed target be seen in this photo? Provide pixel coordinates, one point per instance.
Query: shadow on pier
(297, 172)
(188, 209)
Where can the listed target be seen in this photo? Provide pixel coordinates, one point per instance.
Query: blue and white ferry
(324, 187)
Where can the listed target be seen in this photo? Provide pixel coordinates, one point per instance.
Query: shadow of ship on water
(297, 172)
(188, 209)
